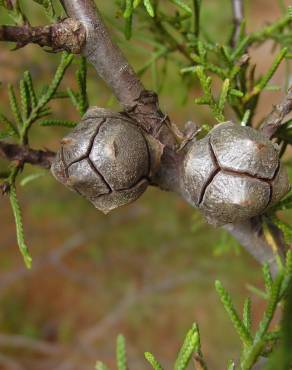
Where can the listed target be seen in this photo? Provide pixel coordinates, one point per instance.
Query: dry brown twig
(68, 35)
(24, 154)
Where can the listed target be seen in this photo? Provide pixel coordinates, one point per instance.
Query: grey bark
(250, 235)
(104, 55)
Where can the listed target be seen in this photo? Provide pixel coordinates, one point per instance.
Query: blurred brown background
(146, 270)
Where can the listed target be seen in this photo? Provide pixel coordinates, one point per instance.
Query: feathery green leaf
(57, 122)
(100, 366)
(246, 316)
(189, 346)
(267, 278)
(121, 353)
(149, 7)
(27, 78)
(14, 105)
(24, 99)
(28, 179)
(182, 5)
(233, 315)
(19, 226)
(152, 360)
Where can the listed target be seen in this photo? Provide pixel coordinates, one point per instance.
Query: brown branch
(237, 11)
(274, 120)
(23, 154)
(105, 56)
(115, 70)
(68, 35)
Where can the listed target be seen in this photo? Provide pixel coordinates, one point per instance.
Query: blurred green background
(146, 270)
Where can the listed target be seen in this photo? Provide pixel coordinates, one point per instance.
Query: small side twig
(24, 154)
(68, 35)
(237, 11)
(274, 120)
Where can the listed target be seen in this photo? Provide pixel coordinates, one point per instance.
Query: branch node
(68, 34)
